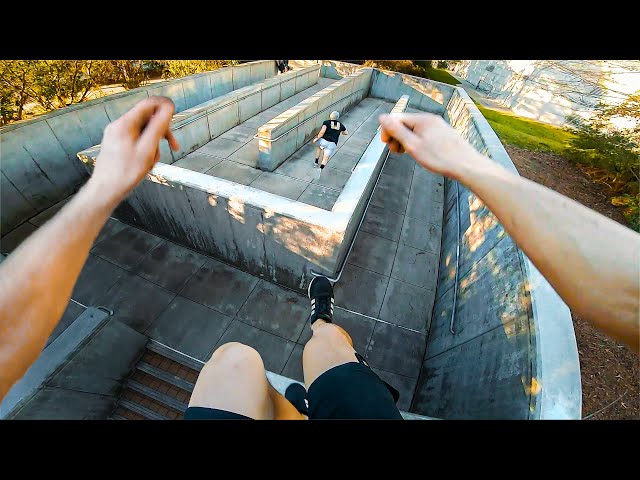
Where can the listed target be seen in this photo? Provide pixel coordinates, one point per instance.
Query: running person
(327, 138)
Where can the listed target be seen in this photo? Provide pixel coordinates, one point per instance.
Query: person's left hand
(130, 147)
(315, 140)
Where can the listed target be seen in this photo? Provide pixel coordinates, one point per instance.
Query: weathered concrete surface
(38, 156)
(269, 235)
(513, 354)
(57, 353)
(424, 94)
(286, 133)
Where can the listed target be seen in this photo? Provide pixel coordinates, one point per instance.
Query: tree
(16, 80)
(59, 83)
(181, 68)
(129, 73)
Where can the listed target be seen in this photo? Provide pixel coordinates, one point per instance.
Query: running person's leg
(339, 382)
(233, 384)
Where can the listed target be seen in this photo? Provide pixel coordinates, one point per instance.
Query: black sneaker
(321, 295)
(297, 395)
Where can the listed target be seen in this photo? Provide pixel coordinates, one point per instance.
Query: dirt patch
(610, 371)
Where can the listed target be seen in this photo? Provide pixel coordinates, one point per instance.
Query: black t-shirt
(332, 132)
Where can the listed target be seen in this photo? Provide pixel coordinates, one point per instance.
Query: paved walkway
(234, 154)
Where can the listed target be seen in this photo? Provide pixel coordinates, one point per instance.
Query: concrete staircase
(161, 384)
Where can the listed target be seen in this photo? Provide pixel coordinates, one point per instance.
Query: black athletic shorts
(348, 391)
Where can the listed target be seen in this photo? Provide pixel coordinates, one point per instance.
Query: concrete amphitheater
(220, 241)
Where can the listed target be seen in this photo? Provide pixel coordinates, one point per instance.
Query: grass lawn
(525, 133)
(440, 75)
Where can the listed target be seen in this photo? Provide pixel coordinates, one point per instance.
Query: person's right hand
(431, 141)
(130, 147)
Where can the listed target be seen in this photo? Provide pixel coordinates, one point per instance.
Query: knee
(328, 332)
(236, 356)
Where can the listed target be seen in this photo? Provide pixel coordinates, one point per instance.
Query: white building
(552, 90)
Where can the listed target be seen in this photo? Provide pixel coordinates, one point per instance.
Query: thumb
(394, 128)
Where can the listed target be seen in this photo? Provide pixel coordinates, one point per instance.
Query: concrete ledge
(52, 359)
(514, 354)
(286, 133)
(39, 165)
(265, 234)
(424, 94)
(196, 126)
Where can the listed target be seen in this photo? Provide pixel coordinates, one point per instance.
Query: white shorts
(327, 146)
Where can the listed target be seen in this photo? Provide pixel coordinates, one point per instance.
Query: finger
(395, 146)
(136, 118)
(173, 143)
(396, 129)
(157, 128)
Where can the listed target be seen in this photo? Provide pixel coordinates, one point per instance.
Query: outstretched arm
(320, 133)
(36, 280)
(591, 261)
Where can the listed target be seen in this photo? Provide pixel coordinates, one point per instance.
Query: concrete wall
(424, 94)
(513, 354)
(77, 376)
(358, 190)
(261, 233)
(199, 125)
(38, 157)
(290, 130)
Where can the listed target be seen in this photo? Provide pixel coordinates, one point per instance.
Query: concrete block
(223, 119)
(14, 208)
(58, 404)
(117, 107)
(491, 295)
(319, 196)
(287, 88)
(241, 76)
(174, 91)
(191, 137)
(52, 358)
(35, 162)
(270, 96)
(196, 89)
(489, 377)
(288, 310)
(189, 327)
(221, 81)
(247, 155)
(101, 364)
(257, 72)
(166, 154)
(94, 119)
(280, 185)
(198, 162)
(408, 306)
(68, 131)
(250, 105)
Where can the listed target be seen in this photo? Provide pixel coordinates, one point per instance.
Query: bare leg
(329, 347)
(318, 152)
(325, 157)
(234, 380)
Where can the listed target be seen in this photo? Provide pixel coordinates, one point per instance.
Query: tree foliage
(181, 68)
(39, 86)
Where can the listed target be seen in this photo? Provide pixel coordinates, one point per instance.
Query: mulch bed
(610, 371)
